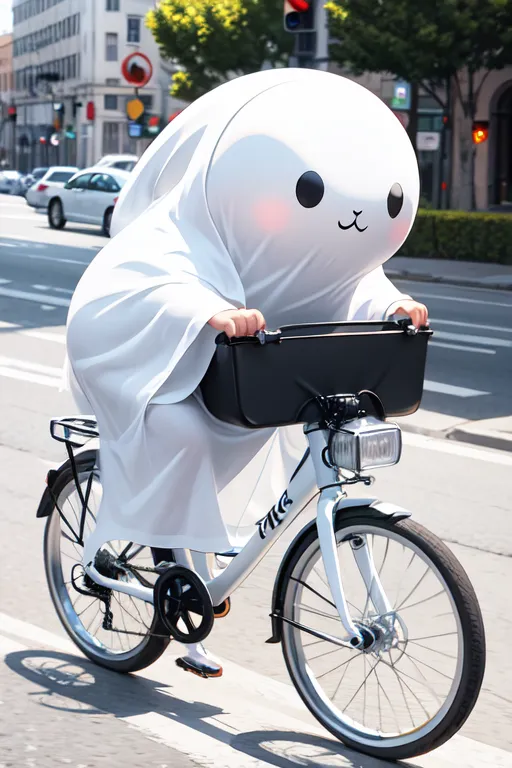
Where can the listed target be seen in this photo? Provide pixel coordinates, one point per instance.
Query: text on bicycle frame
(276, 515)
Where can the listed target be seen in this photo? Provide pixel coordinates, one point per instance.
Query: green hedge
(461, 235)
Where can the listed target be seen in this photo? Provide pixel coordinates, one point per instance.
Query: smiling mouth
(354, 223)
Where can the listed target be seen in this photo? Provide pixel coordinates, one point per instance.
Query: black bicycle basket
(274, 379)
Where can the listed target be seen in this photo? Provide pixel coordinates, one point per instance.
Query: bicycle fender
(348, 508)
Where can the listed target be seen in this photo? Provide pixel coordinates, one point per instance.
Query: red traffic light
(11, 111)
(154, 121)
(298, 16)
(90, 111)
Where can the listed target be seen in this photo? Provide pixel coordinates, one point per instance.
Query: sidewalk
(487, 433)
(490, 433)
(471, 274)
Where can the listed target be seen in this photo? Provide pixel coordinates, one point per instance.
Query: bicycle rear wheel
(416, 685)
(134, 637)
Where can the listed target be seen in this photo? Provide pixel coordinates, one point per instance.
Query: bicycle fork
(330, 497)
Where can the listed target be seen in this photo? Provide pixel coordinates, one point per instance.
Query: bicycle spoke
(427, 571)
(362, 684)
(337, 667)
(425, 600)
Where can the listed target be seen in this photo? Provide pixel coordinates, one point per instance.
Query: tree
(428, 44)
(214, 40)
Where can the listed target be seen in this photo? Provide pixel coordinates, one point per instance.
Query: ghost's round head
(321, 167)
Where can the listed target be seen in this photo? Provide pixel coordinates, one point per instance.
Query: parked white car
(54, 179)
(10, 182)
(88, 197)
(121, 162)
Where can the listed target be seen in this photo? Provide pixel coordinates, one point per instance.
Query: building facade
(67, 59)
(493, 158)
(6, 98)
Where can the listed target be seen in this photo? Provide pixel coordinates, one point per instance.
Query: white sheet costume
(213, 217)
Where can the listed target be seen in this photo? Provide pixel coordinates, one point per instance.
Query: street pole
(321, 60)
(13, 145)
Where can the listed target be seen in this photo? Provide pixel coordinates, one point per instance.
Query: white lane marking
(20, 218)
(453, 448)
(33, 378)
(461, 348)
(460, 299)
(486, 341)
(58, 338)
(41, 256)
(25, 365)
(450, 389)
(38, 298)
(34, 373)
(247, 702)
(498, 328)
(52, 288)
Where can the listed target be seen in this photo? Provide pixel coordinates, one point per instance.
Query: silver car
(10, 182)
(53, 180)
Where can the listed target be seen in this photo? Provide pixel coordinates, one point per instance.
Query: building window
(110, 101)
(133, 33)
(112, 5)
(110, 138)
(111, 46)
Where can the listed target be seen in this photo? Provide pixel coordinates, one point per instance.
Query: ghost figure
(284, 191)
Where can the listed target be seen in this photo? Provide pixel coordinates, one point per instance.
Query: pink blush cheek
(271, 215)
(398, 233)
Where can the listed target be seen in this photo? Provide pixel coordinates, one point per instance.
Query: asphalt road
(59, 709)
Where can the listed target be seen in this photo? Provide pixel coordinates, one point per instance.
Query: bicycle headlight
(364, 444)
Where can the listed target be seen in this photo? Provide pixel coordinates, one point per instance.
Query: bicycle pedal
(222, 610)
(200, 670)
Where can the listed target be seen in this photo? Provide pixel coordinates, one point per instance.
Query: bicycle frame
(313, 477)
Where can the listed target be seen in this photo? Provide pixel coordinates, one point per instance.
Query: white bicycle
(380, 627)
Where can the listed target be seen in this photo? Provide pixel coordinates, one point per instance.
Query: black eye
(395, 200)
(309, 189)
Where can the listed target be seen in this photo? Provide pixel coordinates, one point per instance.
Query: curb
(461, 282)
(471, 435)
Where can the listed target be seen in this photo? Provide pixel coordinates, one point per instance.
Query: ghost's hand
(238, 322)
(413, 309)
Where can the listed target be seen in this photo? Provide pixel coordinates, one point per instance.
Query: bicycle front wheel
(416, 684)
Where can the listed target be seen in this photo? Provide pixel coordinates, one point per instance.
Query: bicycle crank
(184, 604)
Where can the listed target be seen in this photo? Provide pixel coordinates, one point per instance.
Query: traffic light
(76, 107)
(153, 126)
(299, 16)
(480, 131)
(12, 113)
(58, 119)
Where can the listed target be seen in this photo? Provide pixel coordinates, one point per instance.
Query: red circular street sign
(137, 69)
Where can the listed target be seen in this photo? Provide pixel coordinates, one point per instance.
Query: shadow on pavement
(72, 684)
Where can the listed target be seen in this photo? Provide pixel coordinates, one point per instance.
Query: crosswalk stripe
(38, 298)
(460, 348)
(450, 389)
(499, 328)
(486, 341)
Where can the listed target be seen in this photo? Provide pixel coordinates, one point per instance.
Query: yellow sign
(134, 109)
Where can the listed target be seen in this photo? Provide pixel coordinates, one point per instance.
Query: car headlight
(364, 444)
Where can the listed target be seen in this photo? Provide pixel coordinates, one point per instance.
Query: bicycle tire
(466, 603)
(154, 643)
